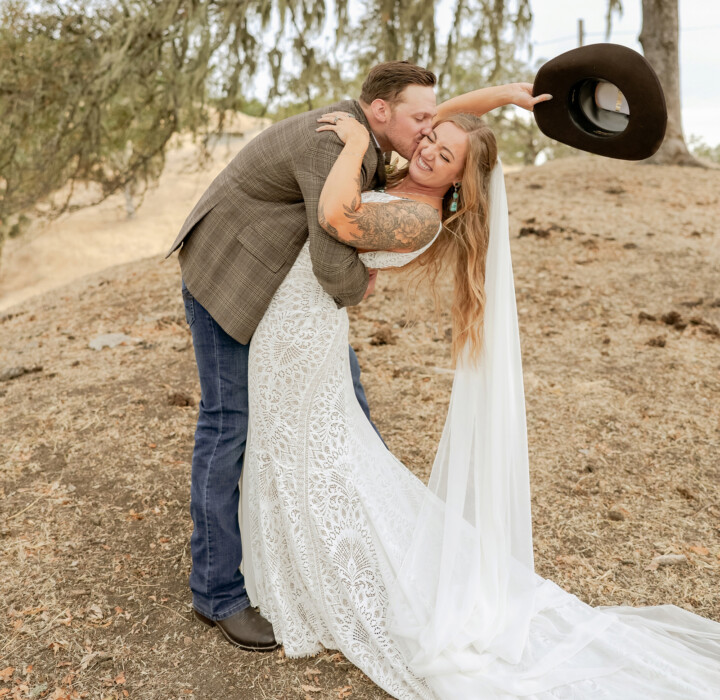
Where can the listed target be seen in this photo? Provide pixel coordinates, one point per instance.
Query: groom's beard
(415, 146)
(402, 136)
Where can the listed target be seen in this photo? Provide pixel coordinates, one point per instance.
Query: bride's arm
(486, 99)
(401, 225)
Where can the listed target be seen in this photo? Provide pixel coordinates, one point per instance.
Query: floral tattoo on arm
(394, 225)
(403, 224)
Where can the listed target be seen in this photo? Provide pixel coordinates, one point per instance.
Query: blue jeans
(217, 585)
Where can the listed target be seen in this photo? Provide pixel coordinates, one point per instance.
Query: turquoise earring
(454, 203)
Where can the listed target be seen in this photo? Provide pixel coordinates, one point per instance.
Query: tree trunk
(660, 41)
(129, 204)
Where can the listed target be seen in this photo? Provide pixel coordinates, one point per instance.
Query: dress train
(346, 549)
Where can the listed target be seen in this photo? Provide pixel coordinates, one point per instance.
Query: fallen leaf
(312, 672)
(68, 620)
(95, 612)
(120, 678)
(666, 560)
(61, 694)
(88, 658)
(569, 560)
(344, 692)
(6, 673)
(33, 611)
(311, 688)
(702, 551)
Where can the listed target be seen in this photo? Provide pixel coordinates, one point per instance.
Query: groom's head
(399, 101)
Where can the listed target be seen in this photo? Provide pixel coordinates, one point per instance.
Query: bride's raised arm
(484, 100)
(402, 225)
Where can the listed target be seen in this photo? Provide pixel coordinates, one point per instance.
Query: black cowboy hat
(606, 100)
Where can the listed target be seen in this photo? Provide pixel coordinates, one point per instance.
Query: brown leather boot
(246, 629)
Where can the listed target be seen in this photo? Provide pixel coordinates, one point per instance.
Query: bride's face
(439, 159)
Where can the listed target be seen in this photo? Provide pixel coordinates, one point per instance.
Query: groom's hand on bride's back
(371, 282)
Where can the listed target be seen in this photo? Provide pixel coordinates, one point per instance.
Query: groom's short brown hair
(386, 81)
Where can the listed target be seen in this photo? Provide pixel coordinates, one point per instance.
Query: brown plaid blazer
(246, 231)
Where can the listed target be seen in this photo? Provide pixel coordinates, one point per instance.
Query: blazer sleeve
(336, 265)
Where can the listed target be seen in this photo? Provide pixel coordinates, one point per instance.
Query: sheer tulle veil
(472, 551)
(466, 605)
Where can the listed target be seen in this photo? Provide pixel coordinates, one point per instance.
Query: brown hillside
(618, 291)
(92, 238)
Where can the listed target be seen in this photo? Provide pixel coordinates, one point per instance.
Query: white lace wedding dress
(344, 548)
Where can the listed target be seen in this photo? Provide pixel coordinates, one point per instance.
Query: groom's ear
(381, 110)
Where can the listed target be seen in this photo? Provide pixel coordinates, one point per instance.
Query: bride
(430, 590)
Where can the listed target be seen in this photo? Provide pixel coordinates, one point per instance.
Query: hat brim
(566, 118)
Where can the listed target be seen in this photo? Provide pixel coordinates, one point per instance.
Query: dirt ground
(618, 292)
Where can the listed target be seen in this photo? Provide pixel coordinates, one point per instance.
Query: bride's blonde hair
(465, 235)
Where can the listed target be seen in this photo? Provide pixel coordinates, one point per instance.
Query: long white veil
(468, 576)
(472, 616)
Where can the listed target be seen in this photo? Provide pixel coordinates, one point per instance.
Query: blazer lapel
(380, 172)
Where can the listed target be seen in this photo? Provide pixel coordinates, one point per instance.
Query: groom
(236, 247)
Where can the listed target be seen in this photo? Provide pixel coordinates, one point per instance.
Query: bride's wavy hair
(463, 241)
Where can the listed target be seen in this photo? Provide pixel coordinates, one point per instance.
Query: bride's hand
(349, 129)
(522, 96)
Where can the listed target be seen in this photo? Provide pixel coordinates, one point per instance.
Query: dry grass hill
(618, 291)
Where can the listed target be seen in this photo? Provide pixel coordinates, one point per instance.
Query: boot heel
(205, 620)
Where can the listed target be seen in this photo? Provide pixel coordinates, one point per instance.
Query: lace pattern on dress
(327, 514)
